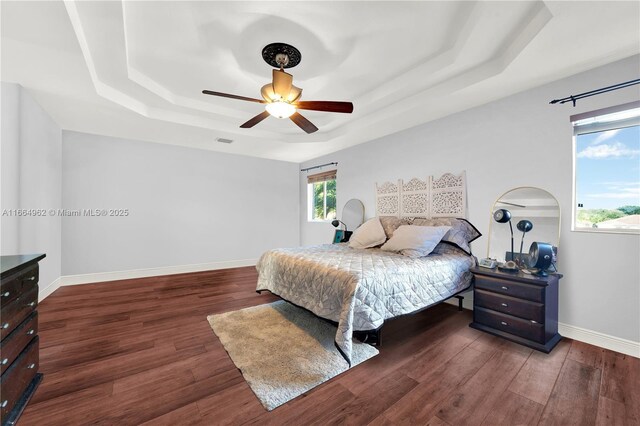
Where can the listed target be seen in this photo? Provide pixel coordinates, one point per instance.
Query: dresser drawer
(17, 284)
(510, 324)
(17, 377)
(530, 292)
(510, 305)
(11, 347)
(16, 311)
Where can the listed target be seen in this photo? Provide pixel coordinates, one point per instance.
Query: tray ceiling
(137, 69)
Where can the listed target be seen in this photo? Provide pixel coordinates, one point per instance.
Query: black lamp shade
(502, 215)
(335, 222)
(524, 226)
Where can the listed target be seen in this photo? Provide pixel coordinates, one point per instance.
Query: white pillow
(415, 241)
(369, 234)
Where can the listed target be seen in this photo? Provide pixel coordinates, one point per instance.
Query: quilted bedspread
(361, 288)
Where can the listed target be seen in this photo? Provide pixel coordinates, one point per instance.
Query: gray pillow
(461, 234)
(391, 223)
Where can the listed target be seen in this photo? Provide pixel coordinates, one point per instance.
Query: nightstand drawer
(530, 292)
(510, 305)
(510, 324)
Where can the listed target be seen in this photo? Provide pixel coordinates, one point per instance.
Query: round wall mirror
(532, 213)
(353, 214)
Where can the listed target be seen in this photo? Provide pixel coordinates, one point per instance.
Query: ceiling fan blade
(282, 82)
(227, 95)
(303, 123)
(255, 120)
(329, 106)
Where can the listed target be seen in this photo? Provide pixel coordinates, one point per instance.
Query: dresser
(19, 347)
(519, 307)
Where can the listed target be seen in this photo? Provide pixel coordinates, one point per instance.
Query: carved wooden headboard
(442, 197)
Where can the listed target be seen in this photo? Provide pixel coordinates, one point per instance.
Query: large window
(322, 196)
(607, 170)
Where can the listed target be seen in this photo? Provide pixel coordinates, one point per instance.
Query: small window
(606, 162)
(322, 196)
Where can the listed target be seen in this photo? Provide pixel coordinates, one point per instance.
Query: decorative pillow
(415, 241)
(461, 234)
(391, 223)
(369, 234)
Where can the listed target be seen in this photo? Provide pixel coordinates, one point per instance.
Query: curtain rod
(574, 98)
(317, 167)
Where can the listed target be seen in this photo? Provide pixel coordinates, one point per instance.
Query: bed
(361, 288)
(358, 289)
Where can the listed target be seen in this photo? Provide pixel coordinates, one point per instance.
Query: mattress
(361, 288)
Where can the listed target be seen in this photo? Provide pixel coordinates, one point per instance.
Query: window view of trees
(590, 218)
(324, 200)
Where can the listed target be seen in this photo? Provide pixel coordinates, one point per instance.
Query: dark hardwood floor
(141, 351)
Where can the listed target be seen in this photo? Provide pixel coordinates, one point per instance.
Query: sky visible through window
(608, 168)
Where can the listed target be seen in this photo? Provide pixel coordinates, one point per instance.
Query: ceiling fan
(281, 97)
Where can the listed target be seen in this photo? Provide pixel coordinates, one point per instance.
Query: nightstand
(519, 307)
(340, 236)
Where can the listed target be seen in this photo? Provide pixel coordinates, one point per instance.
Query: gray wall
(187, 206)
(31, 179)
(10, 170)
(517, 141)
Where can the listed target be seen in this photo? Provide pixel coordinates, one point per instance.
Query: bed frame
(374, 337)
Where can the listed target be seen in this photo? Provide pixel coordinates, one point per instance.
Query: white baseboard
(153, 272)
(44, 292)
(617, 344)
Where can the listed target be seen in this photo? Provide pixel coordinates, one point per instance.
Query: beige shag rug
(282, 350)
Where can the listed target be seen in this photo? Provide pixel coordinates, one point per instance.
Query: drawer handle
(534, 322)
(5, 361)
(504, 304)
(33, 278)
(5, 325)
(4, 403)
(30, 366)
(6, 294)
(32, 304)
(30, 331)
(503, 323)
(504, 287)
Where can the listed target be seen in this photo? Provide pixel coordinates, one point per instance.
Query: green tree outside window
(324, 200)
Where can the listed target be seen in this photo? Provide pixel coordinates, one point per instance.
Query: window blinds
(321, 177)
(603, 119)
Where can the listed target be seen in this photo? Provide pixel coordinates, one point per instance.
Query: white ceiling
(136, 69)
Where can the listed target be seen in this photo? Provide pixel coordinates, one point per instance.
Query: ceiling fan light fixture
(294, 94)
(280, 109)
(268, 94)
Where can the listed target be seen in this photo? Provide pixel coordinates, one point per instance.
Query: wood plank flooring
(141, 352)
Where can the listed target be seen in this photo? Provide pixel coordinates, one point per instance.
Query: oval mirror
(353, 214)
(532, 213)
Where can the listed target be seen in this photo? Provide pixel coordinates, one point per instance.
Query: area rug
(282, 350)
